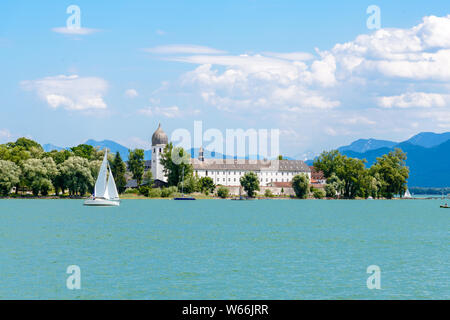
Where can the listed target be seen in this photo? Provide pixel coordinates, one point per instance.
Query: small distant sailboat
(407, 195)
(105, 190)
(183, 197)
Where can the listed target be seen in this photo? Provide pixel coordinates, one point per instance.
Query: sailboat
(183, 197)
(105, 190)
(407, 194)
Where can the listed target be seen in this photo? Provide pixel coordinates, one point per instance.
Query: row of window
(218, 180)
(240, 173)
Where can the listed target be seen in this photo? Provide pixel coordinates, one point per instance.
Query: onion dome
(159, 137)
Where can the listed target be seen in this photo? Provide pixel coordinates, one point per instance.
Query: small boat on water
(445, 206)
(183, 197)
(105, 190)
(407, 195)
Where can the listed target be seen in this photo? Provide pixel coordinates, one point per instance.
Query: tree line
(24, 165)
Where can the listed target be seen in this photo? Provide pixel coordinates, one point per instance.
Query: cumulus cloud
(168, 112)
(388, 62)
(415, 99)
(70, 92)
(131, 93)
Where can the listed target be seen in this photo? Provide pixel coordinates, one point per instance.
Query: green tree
(85, 151)
(207, 185)
(148, 178)
(392, 173)
(330, 191)
(337, 184)
(59, 156)
(351, 172)
(27, 144)
(39, 175)
(175, 161)
(300, 184)
(223, 192)
(76, 174)
(319, 193)
(119, 168)
(268, 193)
(189, 185)
(9, 176)
(136, 164)
(328, 162)
(250, 183)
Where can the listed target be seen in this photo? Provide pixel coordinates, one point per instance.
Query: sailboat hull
(101, 203)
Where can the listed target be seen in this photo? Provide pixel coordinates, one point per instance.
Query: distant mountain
(428, 167)
(50, 147)
(113, 147)
(363, 145)
(429, 139)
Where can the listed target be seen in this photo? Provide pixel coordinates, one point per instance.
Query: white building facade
(227, 172)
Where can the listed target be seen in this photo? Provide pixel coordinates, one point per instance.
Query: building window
(206, 172)
(160, 150)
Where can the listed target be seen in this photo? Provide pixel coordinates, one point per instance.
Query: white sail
(112, 190)
(100, 190)
(407, 194)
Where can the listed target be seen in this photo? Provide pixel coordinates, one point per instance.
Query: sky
(312, 69)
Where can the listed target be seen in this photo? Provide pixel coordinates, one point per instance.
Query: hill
(428, 166)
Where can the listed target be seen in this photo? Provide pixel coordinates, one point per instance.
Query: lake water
(221, 249)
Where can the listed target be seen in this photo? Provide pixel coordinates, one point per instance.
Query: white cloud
(415, 99)
(75, 31)
(294, 56)
(168, 112)
(183, 49)
(131, 93)
(70, 92)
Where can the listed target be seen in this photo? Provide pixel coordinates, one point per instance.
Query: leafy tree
(85, 151)
(76, 174)
(189, 185)
(168, 192)
(119, 168)
(39, 174)
(351, 172)
(319, 193)
(300, 184)
(337, 184)
(250, 183)
(330, 191)
(392, 172)
(222, 192)
(148, 178)
(268, 193)
(136, 164)
(59, 156)
(280, 157)
(175, 161)
(207, 185)
(328, 162)
(9, 176)
(27, 144)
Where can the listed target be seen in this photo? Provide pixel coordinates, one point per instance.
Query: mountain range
(428, 155)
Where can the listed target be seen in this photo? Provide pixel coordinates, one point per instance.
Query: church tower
(159, 141)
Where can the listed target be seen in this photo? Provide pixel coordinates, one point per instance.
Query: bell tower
(159, 142)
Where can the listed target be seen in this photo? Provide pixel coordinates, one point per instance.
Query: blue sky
(311, 69)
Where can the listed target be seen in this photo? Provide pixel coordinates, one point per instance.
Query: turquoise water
(221, 249)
